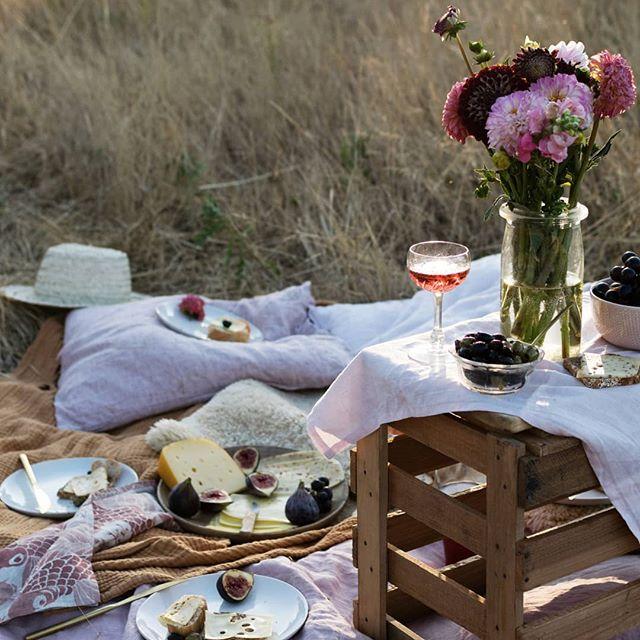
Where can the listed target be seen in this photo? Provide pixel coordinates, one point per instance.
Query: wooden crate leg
(505, 528)
(372, 501)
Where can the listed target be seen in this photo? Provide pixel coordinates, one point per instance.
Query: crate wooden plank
(371, 469)
(598, 619)
(504, 598)
(573, 546)
(436, 590)
(554, 476)
(397, 631)
(449, 435)
(435, 509)
(540, 443)
(410, 455)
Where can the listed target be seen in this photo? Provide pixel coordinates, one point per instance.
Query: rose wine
(438, 282)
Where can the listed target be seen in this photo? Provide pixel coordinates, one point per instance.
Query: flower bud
(501, 160)
(476, 46)
(483, 56)
(449, 24)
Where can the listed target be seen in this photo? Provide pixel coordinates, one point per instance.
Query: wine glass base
(428, 353)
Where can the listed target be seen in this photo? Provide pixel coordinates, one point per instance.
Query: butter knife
(42, 499)
(249, 519)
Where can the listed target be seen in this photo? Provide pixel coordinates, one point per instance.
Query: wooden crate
(398, 513)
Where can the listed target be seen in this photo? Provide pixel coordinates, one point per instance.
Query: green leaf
(603, 150)
(494, 205)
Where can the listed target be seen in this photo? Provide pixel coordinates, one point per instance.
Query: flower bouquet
(537, 113)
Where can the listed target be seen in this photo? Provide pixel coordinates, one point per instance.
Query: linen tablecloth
(382, 384)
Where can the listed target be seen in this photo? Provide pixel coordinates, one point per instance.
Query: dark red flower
(534, 63)
(449, 24)
(479, 93)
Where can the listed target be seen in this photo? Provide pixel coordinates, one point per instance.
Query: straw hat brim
(26, 294)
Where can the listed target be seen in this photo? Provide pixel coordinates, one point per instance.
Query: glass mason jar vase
(541, 279)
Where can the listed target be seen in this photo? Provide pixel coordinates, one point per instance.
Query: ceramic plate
(268, 597)
(16, 492)
(204, 523)
(595, 497)
(171, 315)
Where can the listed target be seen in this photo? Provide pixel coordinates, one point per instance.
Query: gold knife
(42, 499)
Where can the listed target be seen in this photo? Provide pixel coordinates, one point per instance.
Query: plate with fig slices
(287, 492)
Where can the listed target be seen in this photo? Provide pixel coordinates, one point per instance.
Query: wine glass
(438, 267)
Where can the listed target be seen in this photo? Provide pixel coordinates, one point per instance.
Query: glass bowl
(496, 379)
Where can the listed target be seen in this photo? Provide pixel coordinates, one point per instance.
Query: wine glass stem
(437, 334)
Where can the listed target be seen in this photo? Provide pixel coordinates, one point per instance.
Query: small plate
(16, 491)
(269, 596)
(592, 498)
(170, 314)
(204, 523)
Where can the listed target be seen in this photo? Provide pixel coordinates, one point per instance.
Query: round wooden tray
(201, 522)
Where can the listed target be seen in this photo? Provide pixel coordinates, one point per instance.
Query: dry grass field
(315, 124)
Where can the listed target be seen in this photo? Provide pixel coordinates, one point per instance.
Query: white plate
(170, 314)
(268, 597)
(594, 497)
(16, 492)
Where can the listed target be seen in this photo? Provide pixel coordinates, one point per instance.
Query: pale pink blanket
(329, 582)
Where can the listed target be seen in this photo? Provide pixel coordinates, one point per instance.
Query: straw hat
(78, 275)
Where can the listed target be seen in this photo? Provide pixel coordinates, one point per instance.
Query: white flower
(572, 53)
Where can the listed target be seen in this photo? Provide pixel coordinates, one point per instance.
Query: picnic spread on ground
(184, 468)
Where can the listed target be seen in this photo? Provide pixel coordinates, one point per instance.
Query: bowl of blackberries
(615, 302)
(491, 363)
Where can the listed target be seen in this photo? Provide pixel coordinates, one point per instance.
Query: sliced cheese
(232, 626)
(207, 464)
(184, 612)
(593, 365)
(271, 509)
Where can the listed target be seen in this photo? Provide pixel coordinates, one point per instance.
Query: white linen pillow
(120, 363)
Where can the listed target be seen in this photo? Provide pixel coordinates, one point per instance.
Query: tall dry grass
(317, 122)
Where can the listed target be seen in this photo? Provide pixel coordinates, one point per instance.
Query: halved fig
(215, 499)
(234, 585)
(248, 459)
(262, 484)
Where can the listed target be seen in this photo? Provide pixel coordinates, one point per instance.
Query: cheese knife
(249, 519)
(42, 499)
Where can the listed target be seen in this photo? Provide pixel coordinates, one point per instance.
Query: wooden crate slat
(372, 534)
(598, 619)
(504, 602)
(397, 631)
(554, 476)
(540, 443)
(436, 591)
(434, 508)
(449, 435)
(573, 546)
(408, 454)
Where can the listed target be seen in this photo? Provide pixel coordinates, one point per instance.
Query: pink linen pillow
(119, 363)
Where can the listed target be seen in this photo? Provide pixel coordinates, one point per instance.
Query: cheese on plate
(271, 516)
(207, 464)
(593, 365)
(234, 626)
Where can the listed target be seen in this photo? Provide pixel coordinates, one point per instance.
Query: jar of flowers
(537, 114)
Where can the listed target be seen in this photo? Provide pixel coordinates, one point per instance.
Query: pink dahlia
(451, 121)
(192, 307)
(556, 146)
(508, 124)
(566, 94)
(617, 84)
(572, 53)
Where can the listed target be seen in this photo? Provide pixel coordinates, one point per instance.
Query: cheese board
(270, 521)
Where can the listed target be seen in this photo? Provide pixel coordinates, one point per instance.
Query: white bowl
(618, 324)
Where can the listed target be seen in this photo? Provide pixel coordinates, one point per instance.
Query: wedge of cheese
(207, 464)
(270, 518)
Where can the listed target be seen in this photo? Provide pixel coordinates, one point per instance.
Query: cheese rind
(207, 464)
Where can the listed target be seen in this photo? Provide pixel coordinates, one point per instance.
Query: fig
(247, 459)
(262, 484)
(184, 500)
(234, 585)
(215, 499)
(301, 507)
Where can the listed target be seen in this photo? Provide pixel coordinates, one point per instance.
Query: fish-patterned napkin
(51, 568)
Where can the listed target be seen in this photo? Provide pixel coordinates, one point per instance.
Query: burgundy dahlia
(479, 93)
(193, 307)
(533, 64)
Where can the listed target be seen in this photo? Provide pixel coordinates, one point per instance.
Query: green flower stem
(575, 187)
(464, 53)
